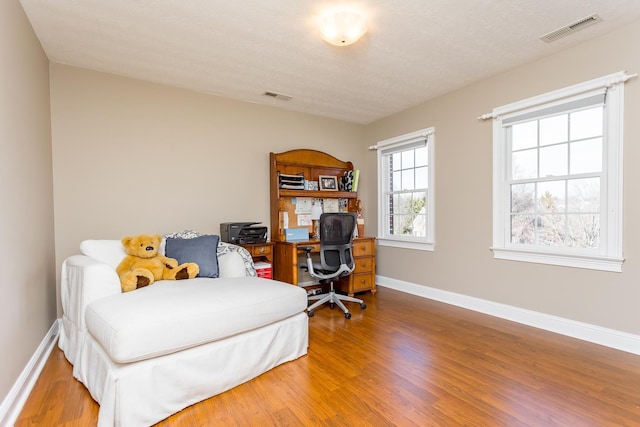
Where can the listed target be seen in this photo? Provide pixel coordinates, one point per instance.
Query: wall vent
(278, 96)
(571, 28)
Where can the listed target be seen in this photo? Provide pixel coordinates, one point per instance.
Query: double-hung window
(558, 176)
(405, 190)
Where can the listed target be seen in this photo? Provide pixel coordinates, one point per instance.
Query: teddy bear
(143, 265)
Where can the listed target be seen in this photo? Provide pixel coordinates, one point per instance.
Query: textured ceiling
(414, 49)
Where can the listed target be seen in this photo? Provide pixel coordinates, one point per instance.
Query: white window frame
(408, 242)
(608, 257)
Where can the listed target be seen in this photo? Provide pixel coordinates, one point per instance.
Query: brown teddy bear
(144, 265)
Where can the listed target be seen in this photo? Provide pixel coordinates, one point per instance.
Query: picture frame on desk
(311, 185)
(328, 183)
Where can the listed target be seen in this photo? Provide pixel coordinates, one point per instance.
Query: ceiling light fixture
(342, 28)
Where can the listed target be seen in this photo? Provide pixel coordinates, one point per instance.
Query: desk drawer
(260, 250)
(363, 265)
(362, 247)
(361, 282)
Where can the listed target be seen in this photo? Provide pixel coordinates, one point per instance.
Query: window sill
(565, 260)
(420, 246)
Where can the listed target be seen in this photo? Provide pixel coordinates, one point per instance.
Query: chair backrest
(336, 240)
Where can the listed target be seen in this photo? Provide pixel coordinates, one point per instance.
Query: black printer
(239, 233)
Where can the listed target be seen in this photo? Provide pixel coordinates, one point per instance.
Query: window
(405, 188)
(558, 177)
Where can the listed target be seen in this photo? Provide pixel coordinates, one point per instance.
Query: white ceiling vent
(571, 28)
(278, 96)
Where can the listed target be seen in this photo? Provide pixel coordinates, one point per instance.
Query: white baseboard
(15, 400)
(583, 331)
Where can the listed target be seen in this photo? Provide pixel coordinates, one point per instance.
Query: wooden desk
(286, 266)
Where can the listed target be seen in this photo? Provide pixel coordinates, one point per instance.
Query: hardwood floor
(403, 361)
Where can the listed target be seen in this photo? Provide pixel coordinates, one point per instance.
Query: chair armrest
(84, 280)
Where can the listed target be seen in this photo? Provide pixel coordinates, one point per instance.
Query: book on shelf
(356, 177)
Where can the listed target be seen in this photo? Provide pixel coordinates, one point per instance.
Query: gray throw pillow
(201, 250)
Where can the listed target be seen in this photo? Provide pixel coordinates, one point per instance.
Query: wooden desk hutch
(313, 163)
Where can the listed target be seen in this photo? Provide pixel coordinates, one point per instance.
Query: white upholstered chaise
(146, 354)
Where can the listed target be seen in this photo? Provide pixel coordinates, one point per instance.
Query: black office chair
(336, 259)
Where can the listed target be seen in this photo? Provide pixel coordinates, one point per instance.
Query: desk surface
(314, 241)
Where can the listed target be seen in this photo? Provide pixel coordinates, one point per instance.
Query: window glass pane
(407, 159)
(522, 198)
(404, 203)
(422, 177)
(583, 195)
(395, 218)
(402, 225)
(554, 129)
(522, 229)
(551, 196)
(407, 179)
(396, 204)
(396, 161)
(422, 156)
(553, 160)
(397, 181)
(420, 225)
(419, 202)
(586, 156)
(586, 123)
(524, 135)
(583, 231)
(410, 216)
(524, 164)
(551, 230)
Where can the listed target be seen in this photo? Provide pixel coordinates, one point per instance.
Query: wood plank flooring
(404, 361)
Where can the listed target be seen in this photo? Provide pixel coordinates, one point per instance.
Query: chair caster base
(333, 299)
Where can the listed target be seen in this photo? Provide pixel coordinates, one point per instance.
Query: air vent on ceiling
(571, 28)
(278, 96)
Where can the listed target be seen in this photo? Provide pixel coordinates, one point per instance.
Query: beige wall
(27, 278)
(137, 157)
(462, 262)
